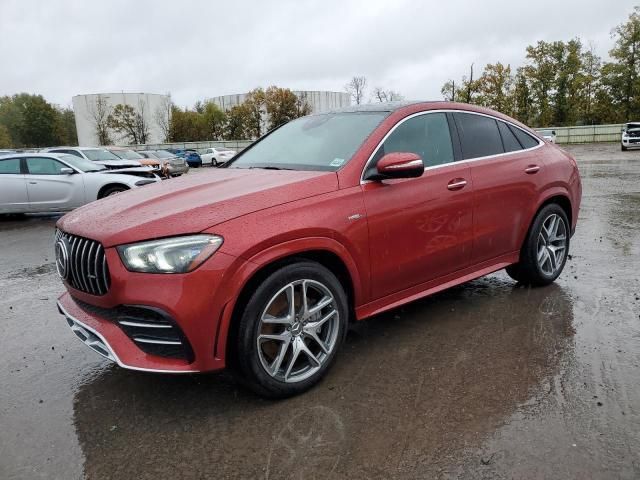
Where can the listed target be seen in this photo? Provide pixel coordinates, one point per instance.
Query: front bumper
(193, 303)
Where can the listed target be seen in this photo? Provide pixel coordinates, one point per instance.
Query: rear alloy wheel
(291, 330)
(545, 250)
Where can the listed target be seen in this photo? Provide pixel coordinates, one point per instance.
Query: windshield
(128, 154)
(164, 154)
(317, 142)
(82, 164)
(99, 155)
(548, 133)
(632, 126)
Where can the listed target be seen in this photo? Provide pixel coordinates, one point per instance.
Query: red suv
(329, 219)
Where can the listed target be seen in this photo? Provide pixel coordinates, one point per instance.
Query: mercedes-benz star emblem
(62, 257)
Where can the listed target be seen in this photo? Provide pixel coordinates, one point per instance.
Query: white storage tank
(319, 101)
(88, 110)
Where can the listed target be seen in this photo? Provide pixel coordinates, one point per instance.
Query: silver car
(48, 182)
(174, 165)
(99, 155)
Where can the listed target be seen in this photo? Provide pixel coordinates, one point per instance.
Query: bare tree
(162, 116)
(356, 88)
(130, 123)
(383, 95)
(99, 117)
(449, 91)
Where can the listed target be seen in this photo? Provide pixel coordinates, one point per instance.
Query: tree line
(562, 83)
(30, 121)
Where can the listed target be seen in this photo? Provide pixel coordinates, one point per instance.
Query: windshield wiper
(269, 167)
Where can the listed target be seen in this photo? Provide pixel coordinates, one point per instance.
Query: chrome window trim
(448, 110)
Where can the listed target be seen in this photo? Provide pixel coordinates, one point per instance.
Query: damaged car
(49, 182)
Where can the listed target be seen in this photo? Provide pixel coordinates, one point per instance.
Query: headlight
(170, 255)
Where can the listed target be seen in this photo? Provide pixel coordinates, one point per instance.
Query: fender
(286, 249)
(554, 191)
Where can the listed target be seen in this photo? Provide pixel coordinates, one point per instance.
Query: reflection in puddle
(410, 389)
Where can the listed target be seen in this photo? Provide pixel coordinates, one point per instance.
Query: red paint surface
(399, 239)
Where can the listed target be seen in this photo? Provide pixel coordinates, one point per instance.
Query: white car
(549, 135)
(101, 156)
(49, 182)
(216, 156)
(630, 136)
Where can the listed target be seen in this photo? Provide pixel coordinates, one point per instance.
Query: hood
(119, 163)
(192, 203)
(129, 170)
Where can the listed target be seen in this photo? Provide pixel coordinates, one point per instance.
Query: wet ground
(486, 380)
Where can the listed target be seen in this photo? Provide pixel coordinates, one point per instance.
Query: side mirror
(67, 171)
(399, 165)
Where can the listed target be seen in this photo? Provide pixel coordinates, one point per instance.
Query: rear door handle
(532, 169)
(457, 184)
(33, 183)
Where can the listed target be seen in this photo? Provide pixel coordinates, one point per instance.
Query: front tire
(545, 249)
(623, 148)
(112, 191)
(291, 329)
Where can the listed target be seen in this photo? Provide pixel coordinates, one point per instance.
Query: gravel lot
(487, 380)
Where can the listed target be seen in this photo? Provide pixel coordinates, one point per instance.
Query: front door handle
(457, 184)
(33, 183)
(532, 169)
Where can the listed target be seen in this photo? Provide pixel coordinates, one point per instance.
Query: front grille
(86, 265)
(153, 331)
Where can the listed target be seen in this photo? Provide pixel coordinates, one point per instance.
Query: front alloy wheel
(298, 330)
(291, 329)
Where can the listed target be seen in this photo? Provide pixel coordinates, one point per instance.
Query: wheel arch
(557, 196)
(264, 264)
(106, 187)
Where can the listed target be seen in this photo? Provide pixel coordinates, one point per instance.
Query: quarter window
(425, 135)
(10, 166)
(43, 166)
(526, 140)
(511, 143)
(479, 135)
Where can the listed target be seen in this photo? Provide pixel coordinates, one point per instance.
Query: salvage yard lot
(507, 383)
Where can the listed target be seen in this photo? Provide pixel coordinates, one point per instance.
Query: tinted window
(479, 135)
(509, 140)
(44, 166)
(99, 155)
(425, 135)
(10, 166)
(70, 152)
(526, 140)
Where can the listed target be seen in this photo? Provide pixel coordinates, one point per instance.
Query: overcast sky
(202, 49)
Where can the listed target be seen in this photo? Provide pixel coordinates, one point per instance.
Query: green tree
(522, 101)
(495, 88)
(215, 119)
(620, 77)
(282, 106)
(237, 120)
(5, 138)
(66, 133)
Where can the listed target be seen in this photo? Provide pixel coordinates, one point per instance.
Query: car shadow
(411, 389)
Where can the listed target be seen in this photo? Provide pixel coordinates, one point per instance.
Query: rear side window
(526, 140)
(10, 166)
(43, 166)
(509, 140)
(425, 135)
(479, 135)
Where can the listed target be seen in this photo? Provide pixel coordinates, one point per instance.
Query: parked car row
(58, 182)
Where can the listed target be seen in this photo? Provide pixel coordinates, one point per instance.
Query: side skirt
(437, 285)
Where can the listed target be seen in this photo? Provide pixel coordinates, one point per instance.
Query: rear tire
(283, 345)
(545, 248)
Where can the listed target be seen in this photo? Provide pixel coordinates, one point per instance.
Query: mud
(487, 380)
